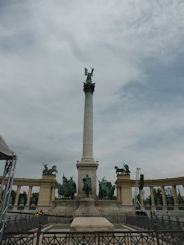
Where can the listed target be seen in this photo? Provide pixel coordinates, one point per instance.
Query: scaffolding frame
(136, 189)
(6, 182)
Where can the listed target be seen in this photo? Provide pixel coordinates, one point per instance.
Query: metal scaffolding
(136, 189)
(9, 157)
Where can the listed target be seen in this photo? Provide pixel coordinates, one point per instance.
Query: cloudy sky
(136, 48)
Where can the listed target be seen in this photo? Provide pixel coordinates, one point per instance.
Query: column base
(164, 207)
(176, 207)
(153, 208)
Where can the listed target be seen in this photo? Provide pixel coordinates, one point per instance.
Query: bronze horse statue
(122, 171)
(49, 170)
(67, 190)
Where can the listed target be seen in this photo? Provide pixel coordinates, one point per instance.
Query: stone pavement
(66, 227)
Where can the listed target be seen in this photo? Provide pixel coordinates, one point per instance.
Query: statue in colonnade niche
(50, 171)
(22, 201)
(87, 185)
(11, 201)
(106, 190)
(33, 201)
(67, 190)
(123, 171)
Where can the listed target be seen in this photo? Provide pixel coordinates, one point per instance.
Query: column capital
(89, 87)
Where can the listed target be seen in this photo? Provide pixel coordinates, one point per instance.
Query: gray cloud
(136, 48)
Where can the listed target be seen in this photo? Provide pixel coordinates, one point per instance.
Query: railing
(28, 231)
(24, 223)
(95, 238)
(155, 223)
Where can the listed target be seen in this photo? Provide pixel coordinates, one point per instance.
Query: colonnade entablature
(124, 192)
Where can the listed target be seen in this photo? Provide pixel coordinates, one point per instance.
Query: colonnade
(27, 204)
(46, 195)
(124, 191)
(164, 200)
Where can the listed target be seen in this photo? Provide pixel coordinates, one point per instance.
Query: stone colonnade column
(29, 196)
(152, 199)
(175, 197)
(164, 201)
(17, 196)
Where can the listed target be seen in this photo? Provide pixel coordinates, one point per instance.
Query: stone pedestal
(86, 208)
(84, 168)
(91, 224)
(46, 190)
(124, 187)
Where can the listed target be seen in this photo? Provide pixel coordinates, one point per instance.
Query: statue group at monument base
(80, 207)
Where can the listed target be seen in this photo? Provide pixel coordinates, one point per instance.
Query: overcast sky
(136, 48)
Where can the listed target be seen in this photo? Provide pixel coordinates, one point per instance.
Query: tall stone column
(17, 196)
(29, 196)
(152, 199)
(175, 197)
(87, 165)
(164, 201)
(88, 124)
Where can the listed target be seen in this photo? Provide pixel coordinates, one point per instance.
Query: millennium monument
(87, 166)
(87, 216)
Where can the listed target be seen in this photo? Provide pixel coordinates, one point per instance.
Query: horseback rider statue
(122, 171)
(50, 171)
(67, 190)
(106, 190)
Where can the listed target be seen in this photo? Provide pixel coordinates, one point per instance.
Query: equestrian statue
(50, 171)
(67, 190)
(123, 171)
(106, 190)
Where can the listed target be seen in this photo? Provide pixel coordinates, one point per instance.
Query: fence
(157, 231)
(24, 223)
(95, 238)
(155, 223)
